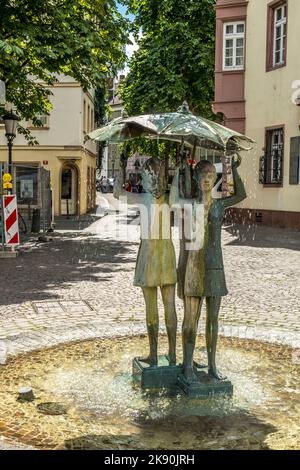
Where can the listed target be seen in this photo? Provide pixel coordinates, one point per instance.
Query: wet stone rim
(37, 339)
(73, 349)
(13, 347)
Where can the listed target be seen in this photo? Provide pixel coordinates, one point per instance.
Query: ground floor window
(294, 160)
(271, 163)
(26, 178)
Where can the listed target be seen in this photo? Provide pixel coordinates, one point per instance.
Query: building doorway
(69, 190)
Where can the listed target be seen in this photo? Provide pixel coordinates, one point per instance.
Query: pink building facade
(229, 81)
(257, 92)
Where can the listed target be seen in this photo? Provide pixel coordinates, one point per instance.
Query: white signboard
(26, 189)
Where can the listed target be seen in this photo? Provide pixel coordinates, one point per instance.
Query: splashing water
(106, 410)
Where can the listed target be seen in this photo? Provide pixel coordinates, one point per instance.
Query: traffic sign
(7, 178)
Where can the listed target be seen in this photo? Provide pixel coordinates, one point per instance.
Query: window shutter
(294, 160)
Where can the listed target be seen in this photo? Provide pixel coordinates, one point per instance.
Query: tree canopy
(39, 39)
(175, 58)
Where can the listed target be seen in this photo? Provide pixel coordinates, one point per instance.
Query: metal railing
(271, 167)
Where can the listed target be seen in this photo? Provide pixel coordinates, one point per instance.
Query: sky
(129, 48)
(122, 10)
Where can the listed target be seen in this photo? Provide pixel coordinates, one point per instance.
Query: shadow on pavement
(240, 430)
(62, 262)
(75, 223)
(263, 237)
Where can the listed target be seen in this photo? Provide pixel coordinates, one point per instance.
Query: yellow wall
(269, 103)
(56, 158)
(63, 137)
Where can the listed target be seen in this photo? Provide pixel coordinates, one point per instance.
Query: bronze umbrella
(181, 126)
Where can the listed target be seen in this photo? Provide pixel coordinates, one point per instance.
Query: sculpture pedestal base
(205, 386)
(160, 376)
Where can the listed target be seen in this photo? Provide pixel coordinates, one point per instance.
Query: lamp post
(113, 166)
(11, 122)
(137, 166)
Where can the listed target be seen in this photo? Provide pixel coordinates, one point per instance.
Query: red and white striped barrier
(11, 227)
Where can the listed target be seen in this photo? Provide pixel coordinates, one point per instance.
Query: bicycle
(21, 224)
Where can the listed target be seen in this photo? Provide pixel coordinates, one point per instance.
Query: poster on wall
(26, 189)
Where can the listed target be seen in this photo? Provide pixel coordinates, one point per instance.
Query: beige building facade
(61, 151)
(258, 92)
(111, 155)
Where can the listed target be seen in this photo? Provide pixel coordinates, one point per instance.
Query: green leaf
(76, 37)
(175, 58)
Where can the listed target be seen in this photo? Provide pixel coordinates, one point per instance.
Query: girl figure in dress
(156, 262)
(201, 272)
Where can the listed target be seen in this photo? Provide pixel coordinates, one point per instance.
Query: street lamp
(137, 166)
(113, 160)
(11, 122)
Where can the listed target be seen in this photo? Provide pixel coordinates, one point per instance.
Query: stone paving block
(73, 290)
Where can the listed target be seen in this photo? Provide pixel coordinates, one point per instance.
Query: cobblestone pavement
(6, 444)
(91, 272)
(79, 285)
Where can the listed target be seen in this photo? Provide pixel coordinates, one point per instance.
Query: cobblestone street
(79, 285)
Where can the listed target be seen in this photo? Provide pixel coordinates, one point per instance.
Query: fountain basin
(100, 407)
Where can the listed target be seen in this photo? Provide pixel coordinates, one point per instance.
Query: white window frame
(88, 126)
(41, 117)
(234, 36)
(92, 118)
(279, 24)
(84, 117)
(44, 118)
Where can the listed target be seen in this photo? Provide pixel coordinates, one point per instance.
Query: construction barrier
(10, 220)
